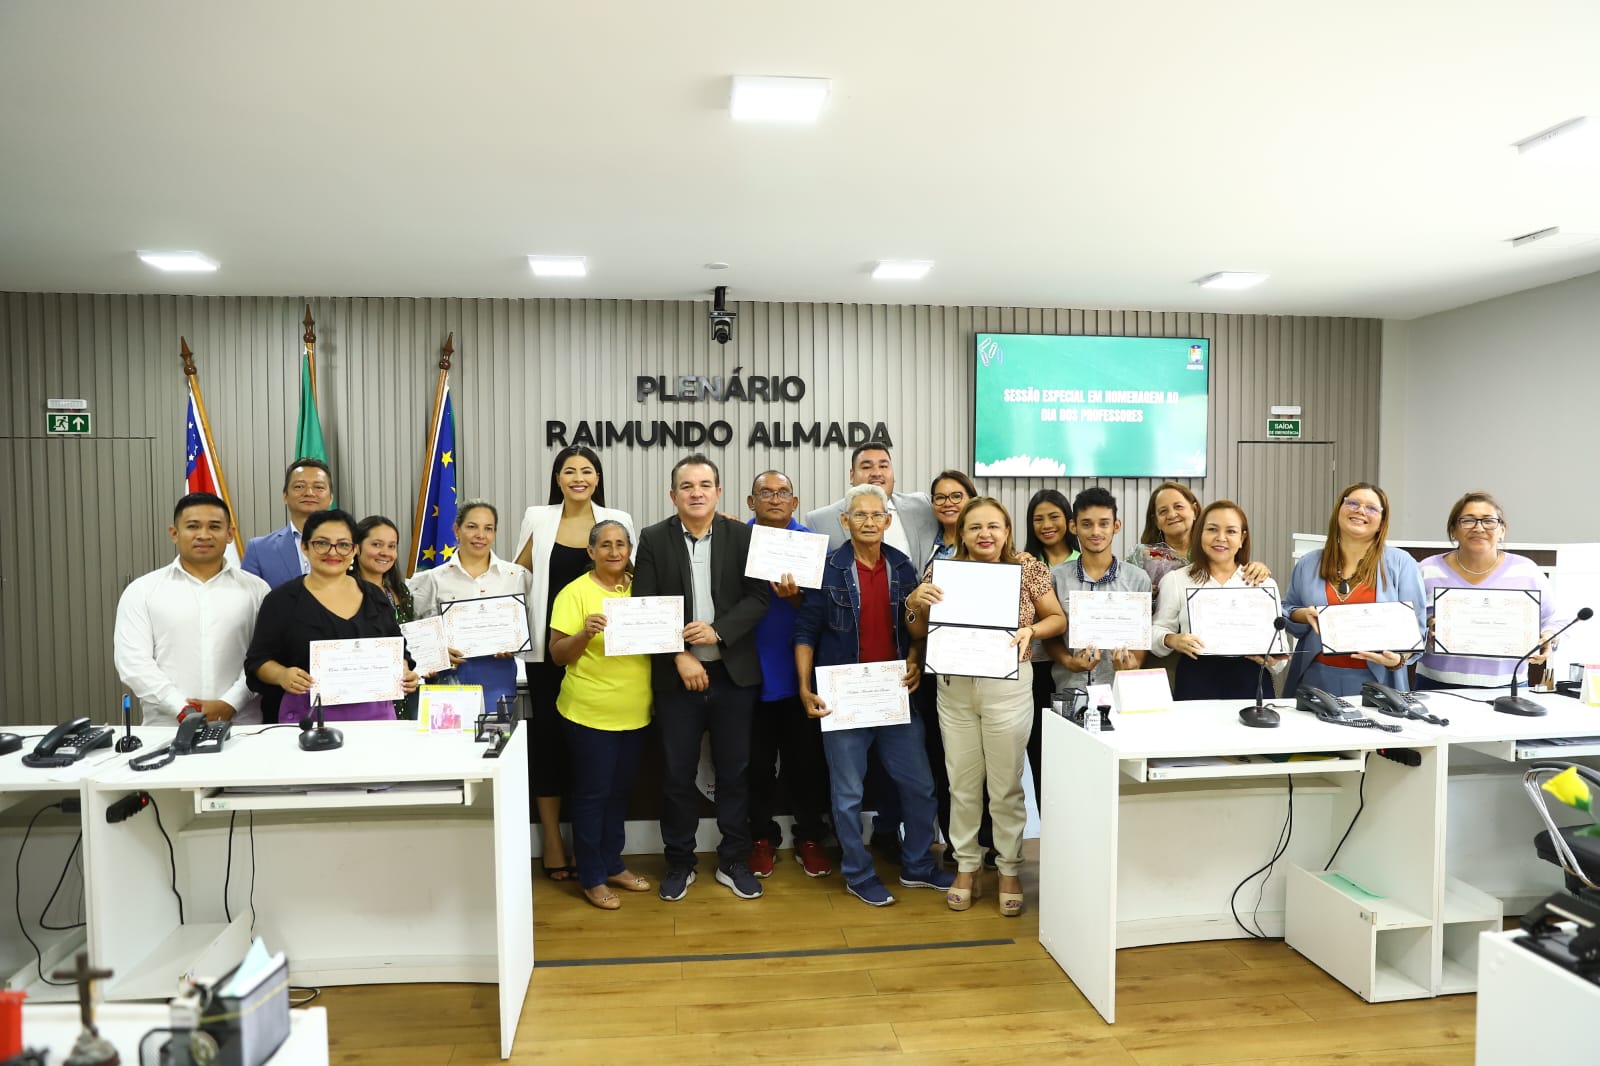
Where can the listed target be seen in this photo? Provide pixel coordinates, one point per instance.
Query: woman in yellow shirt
(605, 707)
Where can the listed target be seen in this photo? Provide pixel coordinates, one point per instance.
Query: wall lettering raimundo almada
(685, 433)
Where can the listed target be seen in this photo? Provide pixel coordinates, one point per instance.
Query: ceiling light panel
(180, 262)
(1231, 279)
(559, 266)
(902, 269)
(772, 99)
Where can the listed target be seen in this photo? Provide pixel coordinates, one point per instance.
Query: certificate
(775, 552)
(425, 640)
(968, 651)
(979, 594)
(1347, 628)
(357, 671)
(1493, 623)
(1235, 621)
(1108, 620)
(486, 626)
(863, 695)
(644, 625)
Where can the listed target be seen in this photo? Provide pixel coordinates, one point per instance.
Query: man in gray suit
(914, 528)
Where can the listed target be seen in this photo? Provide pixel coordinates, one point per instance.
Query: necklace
(1476, 573)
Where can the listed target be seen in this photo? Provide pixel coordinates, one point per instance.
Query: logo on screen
(989, 351)
(1197, 357)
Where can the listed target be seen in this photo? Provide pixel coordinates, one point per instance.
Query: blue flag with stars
(436, 542)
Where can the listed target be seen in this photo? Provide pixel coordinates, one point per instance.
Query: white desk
(1530, 1009)
(124, 1024)
(1127, 859)
(24, 790)
(1135, 850)
(356, 887)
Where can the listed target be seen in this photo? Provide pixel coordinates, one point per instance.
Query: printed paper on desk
(1591, 684)
(449, 708)
(1140, 691)
(977, 594)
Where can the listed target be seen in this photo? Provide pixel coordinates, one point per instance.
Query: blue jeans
(901, 751)
(604, 764)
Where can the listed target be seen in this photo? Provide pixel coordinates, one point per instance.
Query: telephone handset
(199, 736)
(67, 743)
(1330, 708)
(1397, 704)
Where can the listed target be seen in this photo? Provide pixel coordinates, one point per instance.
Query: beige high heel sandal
(960, 899)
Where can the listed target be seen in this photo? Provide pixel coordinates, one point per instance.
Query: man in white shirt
(182, 630)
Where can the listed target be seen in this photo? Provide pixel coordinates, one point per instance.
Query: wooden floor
(1233, 1001)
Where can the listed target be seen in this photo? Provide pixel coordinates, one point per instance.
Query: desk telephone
(198, 736)
(1330, 708)
(67, 743)
(1397, 704)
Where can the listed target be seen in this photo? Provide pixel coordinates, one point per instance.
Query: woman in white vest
(553, 544)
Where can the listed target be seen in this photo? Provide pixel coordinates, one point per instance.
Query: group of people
(201, 634)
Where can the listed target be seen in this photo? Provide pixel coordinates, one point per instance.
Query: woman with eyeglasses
(1477, 527)
(326, 604)
(475, 572)
(1353, 566)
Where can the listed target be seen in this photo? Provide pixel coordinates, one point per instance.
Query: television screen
(1090, 406)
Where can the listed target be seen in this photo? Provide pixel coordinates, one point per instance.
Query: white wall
(1502, 395)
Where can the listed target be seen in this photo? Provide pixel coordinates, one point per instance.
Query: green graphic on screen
(1090, 406)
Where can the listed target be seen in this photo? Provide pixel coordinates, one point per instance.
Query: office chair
(1577, 855)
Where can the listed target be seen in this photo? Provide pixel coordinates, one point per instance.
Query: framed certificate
(972, 651)
(488, 625)
(1347, 628)
(978, 594)
(1486, 623)
(1235, 621)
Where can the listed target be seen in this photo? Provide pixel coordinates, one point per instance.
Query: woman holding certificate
(1477, 527)
(553, 546)
(1354, 566)
(986, 720)
(605, 706)
(326, 604)
(377, 549)
(1220, 546)
(475, 572)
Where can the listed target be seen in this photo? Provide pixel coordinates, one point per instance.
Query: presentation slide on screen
(1090, 406)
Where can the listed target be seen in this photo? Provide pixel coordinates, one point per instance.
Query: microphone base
(1518, 706)
(129, 743)
(321, 738)
(1258, 717)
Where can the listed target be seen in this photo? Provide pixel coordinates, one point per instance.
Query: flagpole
(427, 459)
(310, 342)
(205, 429)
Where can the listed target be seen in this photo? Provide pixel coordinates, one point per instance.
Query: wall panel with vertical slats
(522, 363)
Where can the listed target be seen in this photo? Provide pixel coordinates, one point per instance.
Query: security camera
(721, 317)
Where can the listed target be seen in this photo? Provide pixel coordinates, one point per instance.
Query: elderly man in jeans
(858, 616)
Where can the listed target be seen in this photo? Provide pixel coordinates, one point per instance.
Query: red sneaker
(809, 854)
(762, 854)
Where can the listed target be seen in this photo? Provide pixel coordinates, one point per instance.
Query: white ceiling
(1043, 154)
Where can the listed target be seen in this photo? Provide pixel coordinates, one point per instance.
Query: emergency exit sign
(68, 424)
(1283, 429)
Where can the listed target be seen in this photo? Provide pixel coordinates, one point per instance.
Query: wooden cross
(85, 976)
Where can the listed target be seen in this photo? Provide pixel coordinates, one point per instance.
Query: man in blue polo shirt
(785, 742)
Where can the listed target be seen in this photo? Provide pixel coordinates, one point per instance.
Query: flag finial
(311, 327)
(187, 356)
(447, 351)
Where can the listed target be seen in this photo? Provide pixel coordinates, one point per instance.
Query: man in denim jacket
(858, 616)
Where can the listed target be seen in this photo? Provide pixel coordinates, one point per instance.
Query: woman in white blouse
(553, 544)
(1219, 548)
(474, 572)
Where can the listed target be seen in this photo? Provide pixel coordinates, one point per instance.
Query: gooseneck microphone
(315, 735)
(128, 742)
(1260, 716)
(1526, 708)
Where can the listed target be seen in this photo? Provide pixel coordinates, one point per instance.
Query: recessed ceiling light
(558, 266)
(716, 264)
(192, 262)
(902, 269)
(1231, 279)
(1552, 237)
(766, 99)
(1576, 138)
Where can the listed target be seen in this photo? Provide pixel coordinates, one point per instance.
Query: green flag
(308, 434)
